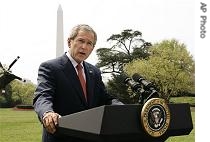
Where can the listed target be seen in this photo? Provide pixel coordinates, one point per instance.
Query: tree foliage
(127, 45)
(117, 87)
(17, 92)
(170, 67)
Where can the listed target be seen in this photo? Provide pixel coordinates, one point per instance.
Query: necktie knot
(79, 67)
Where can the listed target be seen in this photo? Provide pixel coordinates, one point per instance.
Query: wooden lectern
(122, 123)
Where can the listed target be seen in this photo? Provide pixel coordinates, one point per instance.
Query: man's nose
(84, 45)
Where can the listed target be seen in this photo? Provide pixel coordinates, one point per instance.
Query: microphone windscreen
(136, 77)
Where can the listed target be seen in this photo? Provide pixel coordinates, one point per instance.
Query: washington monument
(59, 34)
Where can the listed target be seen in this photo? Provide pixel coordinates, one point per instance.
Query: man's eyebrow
(89, 41)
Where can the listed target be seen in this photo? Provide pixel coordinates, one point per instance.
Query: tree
(23, 91)
(6, 97)
(16, 93)
(170, 67)
(127, 45)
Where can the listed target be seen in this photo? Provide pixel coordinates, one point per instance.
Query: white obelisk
(59, 38)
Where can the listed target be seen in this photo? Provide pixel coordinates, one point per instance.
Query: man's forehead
(83, 31)
(86, 34)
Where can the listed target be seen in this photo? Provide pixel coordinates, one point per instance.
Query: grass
(190, 100)
(23, 126)
(19, 126)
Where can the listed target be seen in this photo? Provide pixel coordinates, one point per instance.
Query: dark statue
(6, 75)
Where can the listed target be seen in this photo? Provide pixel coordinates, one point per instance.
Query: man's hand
(50, 120)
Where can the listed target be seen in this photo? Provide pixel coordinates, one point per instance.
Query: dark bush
(24, 107)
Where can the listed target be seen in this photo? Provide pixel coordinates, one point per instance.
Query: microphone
(135, 87)
(148, 86)
(131, 83)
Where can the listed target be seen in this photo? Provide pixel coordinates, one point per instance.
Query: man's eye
(90, 43)
(80, 40)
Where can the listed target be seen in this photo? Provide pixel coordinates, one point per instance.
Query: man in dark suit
(68, 84)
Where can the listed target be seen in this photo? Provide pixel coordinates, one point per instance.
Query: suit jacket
(59, 90)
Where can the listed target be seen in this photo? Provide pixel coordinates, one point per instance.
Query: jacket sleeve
(45, 90)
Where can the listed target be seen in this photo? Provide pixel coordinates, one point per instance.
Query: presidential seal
(155, 117)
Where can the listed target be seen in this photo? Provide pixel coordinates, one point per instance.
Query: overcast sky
(28, 27)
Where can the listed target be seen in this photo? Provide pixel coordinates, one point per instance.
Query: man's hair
(84, 27)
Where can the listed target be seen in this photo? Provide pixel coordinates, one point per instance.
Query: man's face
(81, 46)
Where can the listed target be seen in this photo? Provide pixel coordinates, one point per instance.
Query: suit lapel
(71, 75)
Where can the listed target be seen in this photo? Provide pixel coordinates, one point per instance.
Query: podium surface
(121, 123)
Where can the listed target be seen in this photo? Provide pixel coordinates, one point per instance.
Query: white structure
(59, 38)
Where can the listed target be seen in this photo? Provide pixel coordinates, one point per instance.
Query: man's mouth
(82, 53)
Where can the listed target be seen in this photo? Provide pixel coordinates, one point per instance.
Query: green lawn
(19, 126)
(23, 126)
(190, 100)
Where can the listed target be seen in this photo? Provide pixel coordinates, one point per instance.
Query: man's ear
(68, 41)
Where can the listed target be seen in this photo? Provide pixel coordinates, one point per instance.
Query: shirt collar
(72, 60)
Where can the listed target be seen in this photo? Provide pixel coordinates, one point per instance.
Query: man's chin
(81, 58)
